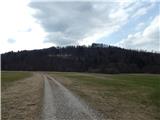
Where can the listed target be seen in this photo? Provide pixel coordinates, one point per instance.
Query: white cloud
(10, 40)
(148, 39)
(19, 30)
(140, 8)
(140, 12)
(14, 16)
(140, 26)
(71, 23)
(119, 14)
(61, 23)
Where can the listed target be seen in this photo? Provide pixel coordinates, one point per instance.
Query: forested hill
(95, 58)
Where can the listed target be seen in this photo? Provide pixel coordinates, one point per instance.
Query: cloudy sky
(34, 24)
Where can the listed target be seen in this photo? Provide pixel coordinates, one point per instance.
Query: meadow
(21, 95)
(116, 96)
(8, 77)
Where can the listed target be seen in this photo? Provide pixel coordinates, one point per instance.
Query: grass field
(21, 95)
(118, 97)
(8, 77)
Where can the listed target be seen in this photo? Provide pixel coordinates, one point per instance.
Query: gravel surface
(60, 104)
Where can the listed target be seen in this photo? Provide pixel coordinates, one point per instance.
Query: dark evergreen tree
(95, 58)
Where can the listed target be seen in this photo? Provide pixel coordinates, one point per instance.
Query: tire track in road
(60, 104)
(48, 112)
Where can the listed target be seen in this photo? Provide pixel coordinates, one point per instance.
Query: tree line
(95, 58)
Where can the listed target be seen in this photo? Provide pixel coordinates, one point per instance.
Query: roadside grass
(138, 95)
(8, 77)
(21, 99)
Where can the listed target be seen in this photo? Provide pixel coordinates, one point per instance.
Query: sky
(37, 24)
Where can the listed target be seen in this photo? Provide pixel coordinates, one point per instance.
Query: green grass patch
(8, 77)
(140, 89)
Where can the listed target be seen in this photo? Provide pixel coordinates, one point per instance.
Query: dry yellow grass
(22, 99)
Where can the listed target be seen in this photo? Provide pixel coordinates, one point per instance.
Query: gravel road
(60, 104)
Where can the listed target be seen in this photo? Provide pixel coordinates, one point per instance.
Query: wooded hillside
(95, 58)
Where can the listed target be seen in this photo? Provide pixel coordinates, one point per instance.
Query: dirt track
(60, 104)
(25, 100)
